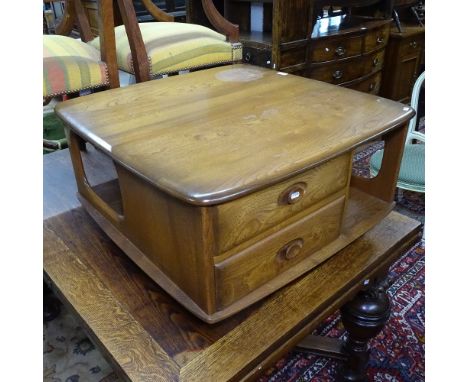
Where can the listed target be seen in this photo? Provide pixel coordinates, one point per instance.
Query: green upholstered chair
(171, 47)
(412, 168)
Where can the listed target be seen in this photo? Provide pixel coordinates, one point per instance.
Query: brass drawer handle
(413, 44)
(380, 40)
(292, 194)
(340, 51)
(337, 74)
(290, 250)
(376, 61)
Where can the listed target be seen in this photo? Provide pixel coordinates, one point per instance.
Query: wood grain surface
(147, 336)
(263, 261)
(171, 131)
(150, 337)
(246, 217)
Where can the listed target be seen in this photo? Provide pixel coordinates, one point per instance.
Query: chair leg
(51, 304)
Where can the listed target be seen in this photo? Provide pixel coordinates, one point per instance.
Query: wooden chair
(412, 175)
(71, 65)
(151, 50)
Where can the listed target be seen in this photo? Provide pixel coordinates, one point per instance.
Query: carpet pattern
(396, 354)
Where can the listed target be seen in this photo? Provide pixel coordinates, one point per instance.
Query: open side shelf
(362, 213)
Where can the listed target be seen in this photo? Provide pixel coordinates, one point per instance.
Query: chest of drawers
(403, 63)
(288, 36)
(352, 57)
(233, 181)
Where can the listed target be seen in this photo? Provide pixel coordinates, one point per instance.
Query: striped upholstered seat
(71, 65)
(172, 47)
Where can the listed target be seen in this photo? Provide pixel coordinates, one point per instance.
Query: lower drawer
(368, 85)
(238, 275)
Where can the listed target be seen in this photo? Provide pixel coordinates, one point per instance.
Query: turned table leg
(363, 318)
(51, 305)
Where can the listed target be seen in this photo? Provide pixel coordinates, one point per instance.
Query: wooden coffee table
(148, 336)
(234, 181)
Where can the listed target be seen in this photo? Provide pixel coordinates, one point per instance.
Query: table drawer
(377, 38)
(254, 214)
(370, 85)
(332, 49)
(262, 262)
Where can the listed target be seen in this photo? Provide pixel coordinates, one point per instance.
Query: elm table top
(213, 135)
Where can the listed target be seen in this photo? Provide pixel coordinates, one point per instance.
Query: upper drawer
(262, 262)
(253, 214)
(376, 38)
(332, 49)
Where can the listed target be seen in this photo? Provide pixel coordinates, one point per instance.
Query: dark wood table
(147, 336)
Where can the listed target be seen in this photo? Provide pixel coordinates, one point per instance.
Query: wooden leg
(363, 317)
(51, 304)
(383, 185)
(82, 145)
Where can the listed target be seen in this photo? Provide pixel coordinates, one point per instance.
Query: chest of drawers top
(215, 135)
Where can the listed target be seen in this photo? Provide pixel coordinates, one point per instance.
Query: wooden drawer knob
(337, 74)
(292, 194)
(290, 250)
(340, 51)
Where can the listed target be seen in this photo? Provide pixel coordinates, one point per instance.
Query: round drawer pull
(372, 86)
(340, 51)
(380, 40)
(413, 44)
(376, 61)
(292, 194)
(248, 57)
(337, 74)
(290, 250)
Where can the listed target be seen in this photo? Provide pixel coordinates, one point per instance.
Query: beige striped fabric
(172, 47)
(70, 65)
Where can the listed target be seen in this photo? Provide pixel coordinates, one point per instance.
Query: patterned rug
(397, 353)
